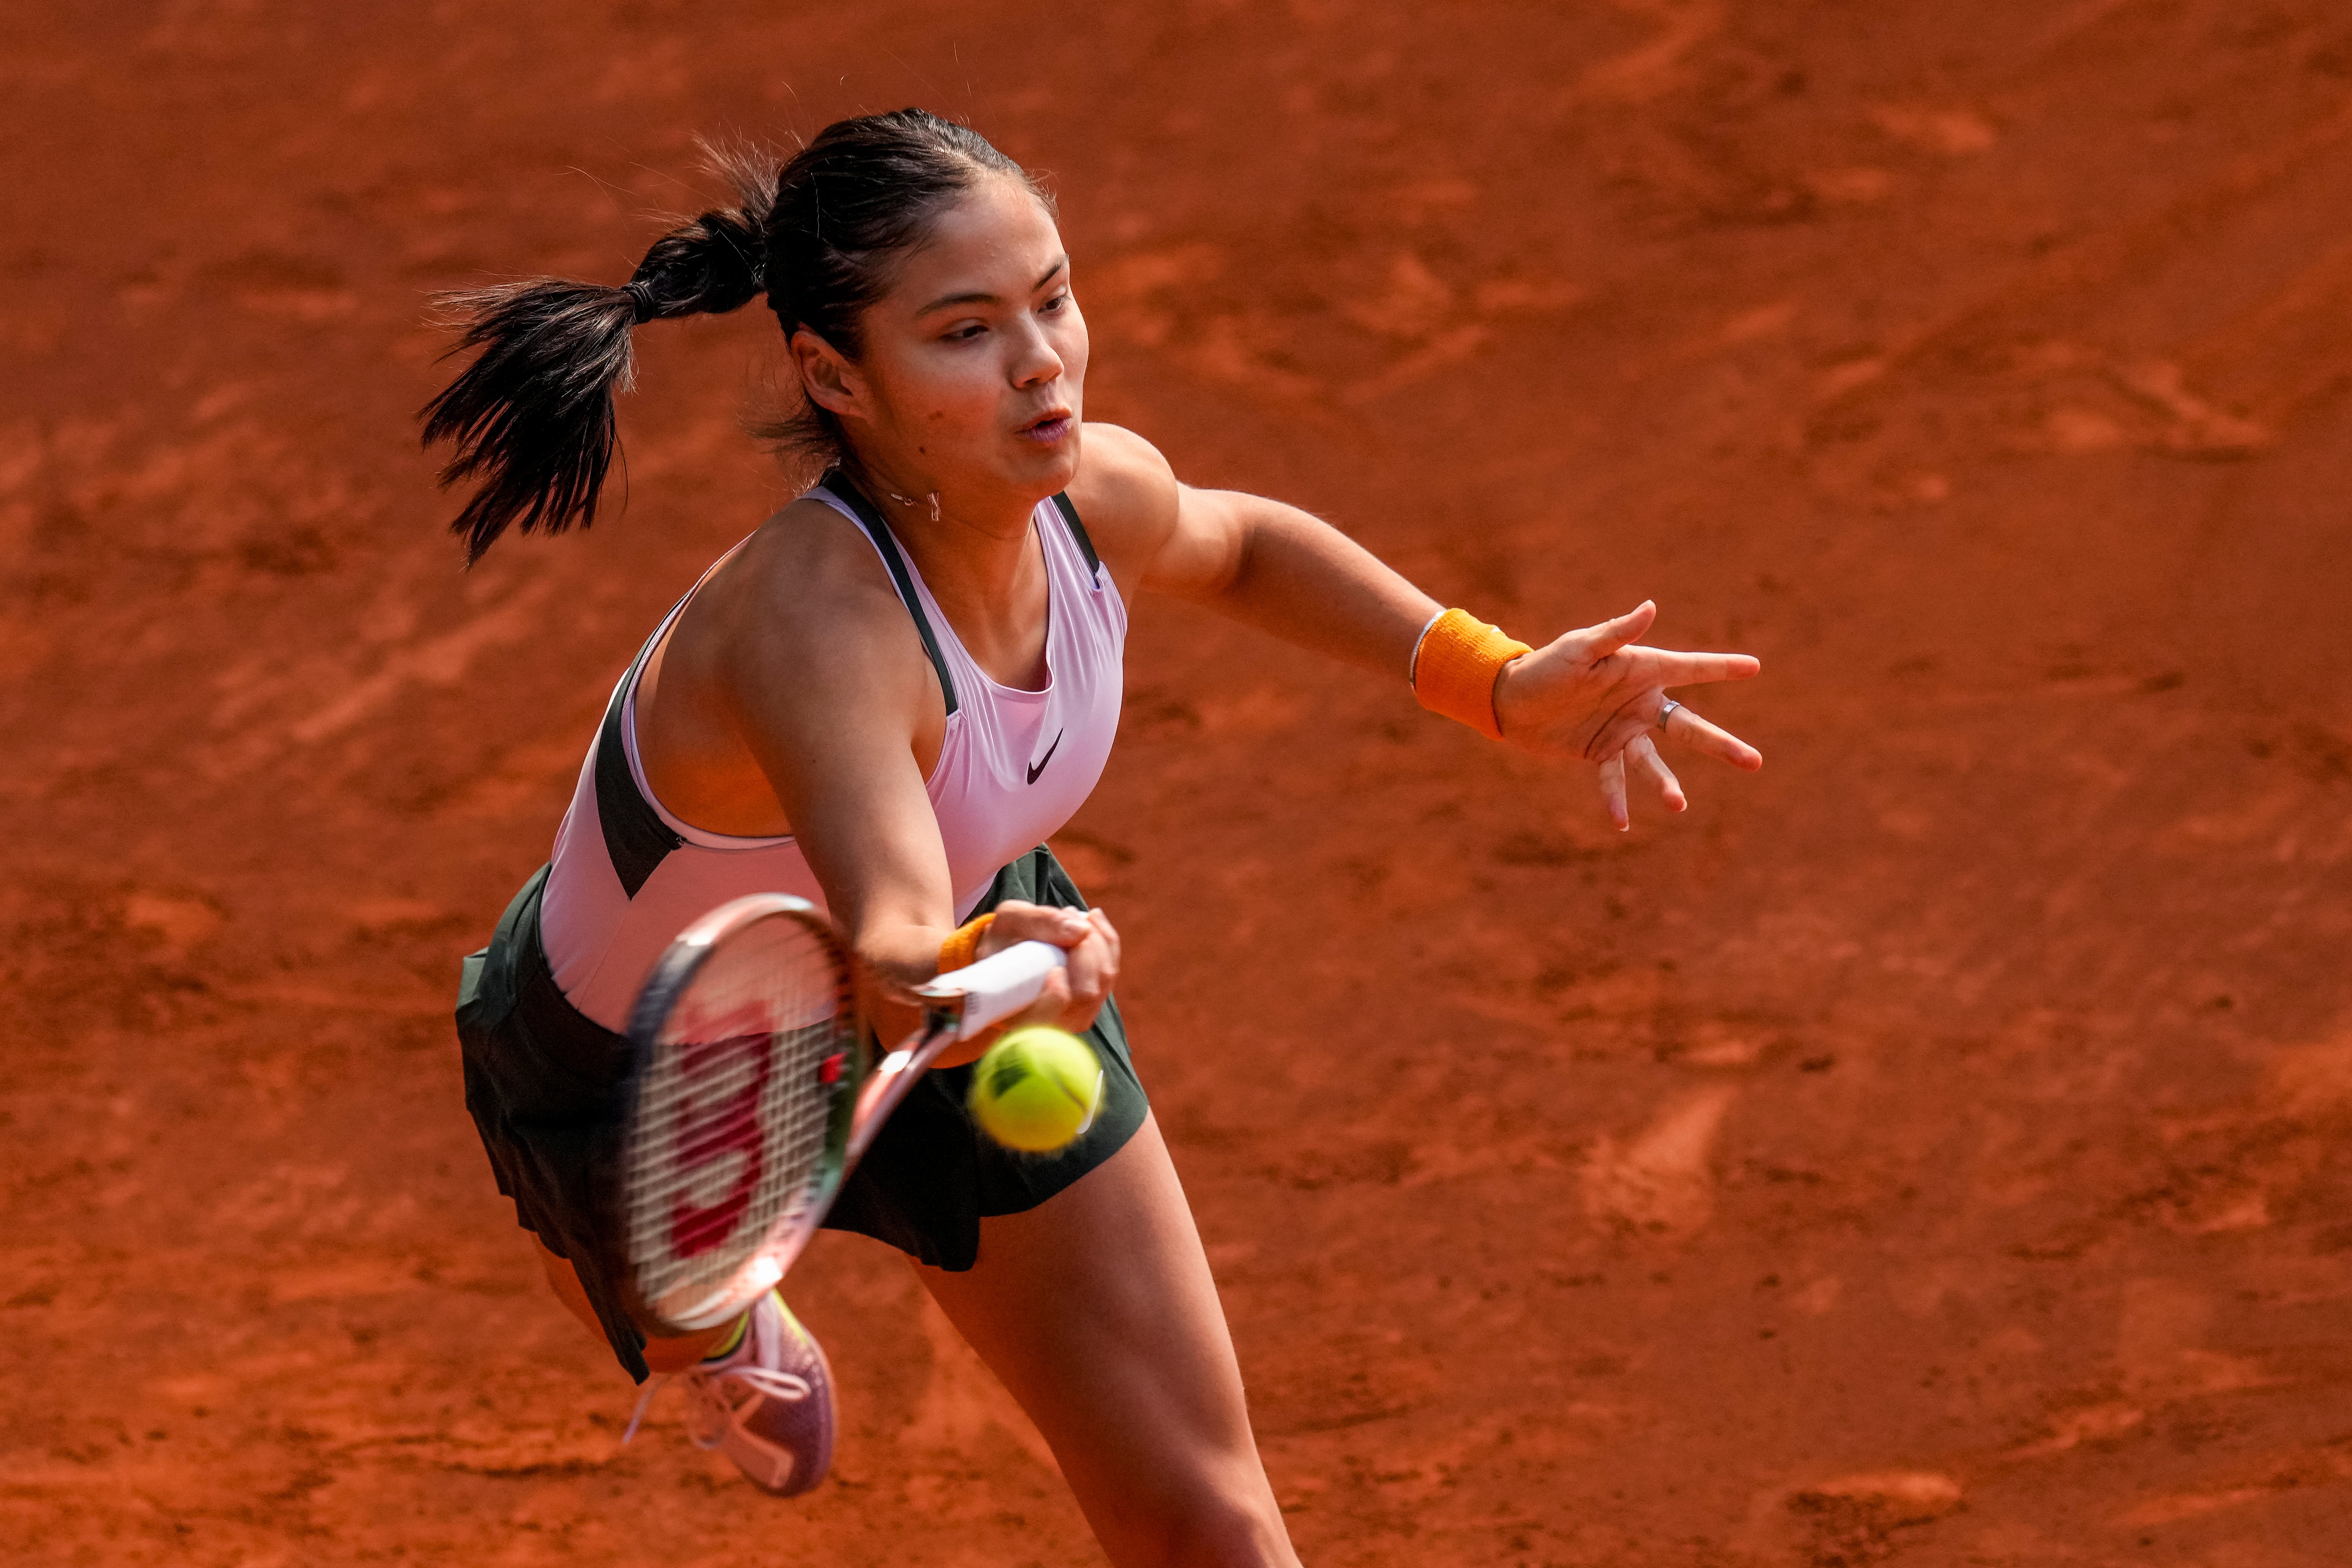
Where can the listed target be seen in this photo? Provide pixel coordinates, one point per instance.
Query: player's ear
(827, 377)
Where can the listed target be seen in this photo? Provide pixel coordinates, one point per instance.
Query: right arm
(834, 698)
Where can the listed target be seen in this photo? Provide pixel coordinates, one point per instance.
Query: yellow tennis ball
(1037, 1089)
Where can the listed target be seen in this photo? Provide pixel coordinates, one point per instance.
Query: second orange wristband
(963, 945)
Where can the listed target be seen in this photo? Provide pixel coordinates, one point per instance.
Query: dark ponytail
(532, 417)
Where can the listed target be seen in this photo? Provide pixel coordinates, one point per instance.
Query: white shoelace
(702, 1387)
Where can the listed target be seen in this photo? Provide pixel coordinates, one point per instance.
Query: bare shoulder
(809, 563)
(1126, 494)
(807, 594)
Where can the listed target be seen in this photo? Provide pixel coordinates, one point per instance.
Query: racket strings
(737, 1137)
(736, 1110)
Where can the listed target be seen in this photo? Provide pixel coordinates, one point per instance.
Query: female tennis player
(885, 700)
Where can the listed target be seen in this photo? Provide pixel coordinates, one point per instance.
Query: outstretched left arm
(1590, 693)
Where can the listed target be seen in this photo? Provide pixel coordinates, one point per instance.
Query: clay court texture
(1931, 1150)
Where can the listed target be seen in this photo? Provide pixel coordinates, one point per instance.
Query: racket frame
(958, 1005)
(682, 1311)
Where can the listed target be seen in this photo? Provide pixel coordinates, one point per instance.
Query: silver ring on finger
(1666, 713)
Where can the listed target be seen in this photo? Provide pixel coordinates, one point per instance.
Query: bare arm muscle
(1260, 562)
(828, 685)
(821, 676)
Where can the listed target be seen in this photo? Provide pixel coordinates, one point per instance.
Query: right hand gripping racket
(751, 1101)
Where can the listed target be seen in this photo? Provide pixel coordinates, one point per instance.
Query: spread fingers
(1689, 728)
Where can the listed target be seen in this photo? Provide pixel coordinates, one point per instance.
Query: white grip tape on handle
(997, 985)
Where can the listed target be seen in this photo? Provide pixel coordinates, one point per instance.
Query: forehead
(996, 238)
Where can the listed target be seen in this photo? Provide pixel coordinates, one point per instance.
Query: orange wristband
(1454, 666)
(963, 945)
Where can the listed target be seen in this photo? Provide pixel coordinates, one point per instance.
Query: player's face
(975, 361)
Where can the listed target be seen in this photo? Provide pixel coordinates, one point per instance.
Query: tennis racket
(751, 1101)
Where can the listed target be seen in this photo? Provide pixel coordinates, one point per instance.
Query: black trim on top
(1079, 534)
(635, 836)
(878, 532)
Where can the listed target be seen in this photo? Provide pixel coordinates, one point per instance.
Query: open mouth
(1048, 428)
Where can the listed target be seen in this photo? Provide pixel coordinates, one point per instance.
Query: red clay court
(1932, 1149)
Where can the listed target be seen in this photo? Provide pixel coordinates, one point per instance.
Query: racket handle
(997, 986)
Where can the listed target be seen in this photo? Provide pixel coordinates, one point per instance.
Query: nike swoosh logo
(1039, 765)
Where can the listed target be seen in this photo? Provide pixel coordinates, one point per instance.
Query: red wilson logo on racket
(718, 1126)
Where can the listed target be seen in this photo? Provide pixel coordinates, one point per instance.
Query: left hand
(1595, 695)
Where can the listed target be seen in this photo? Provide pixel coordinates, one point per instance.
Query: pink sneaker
(767, 1405)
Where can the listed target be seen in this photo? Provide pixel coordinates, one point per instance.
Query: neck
(969, 541)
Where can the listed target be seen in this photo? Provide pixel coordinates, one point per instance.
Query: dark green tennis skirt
(544, 1084)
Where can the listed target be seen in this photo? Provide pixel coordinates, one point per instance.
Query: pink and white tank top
(1014, 768)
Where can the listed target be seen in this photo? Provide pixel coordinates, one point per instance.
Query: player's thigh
(1098, 1311)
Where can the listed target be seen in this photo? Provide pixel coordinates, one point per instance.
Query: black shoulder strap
(879, 532)
(1078, 534)
(635, 835)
